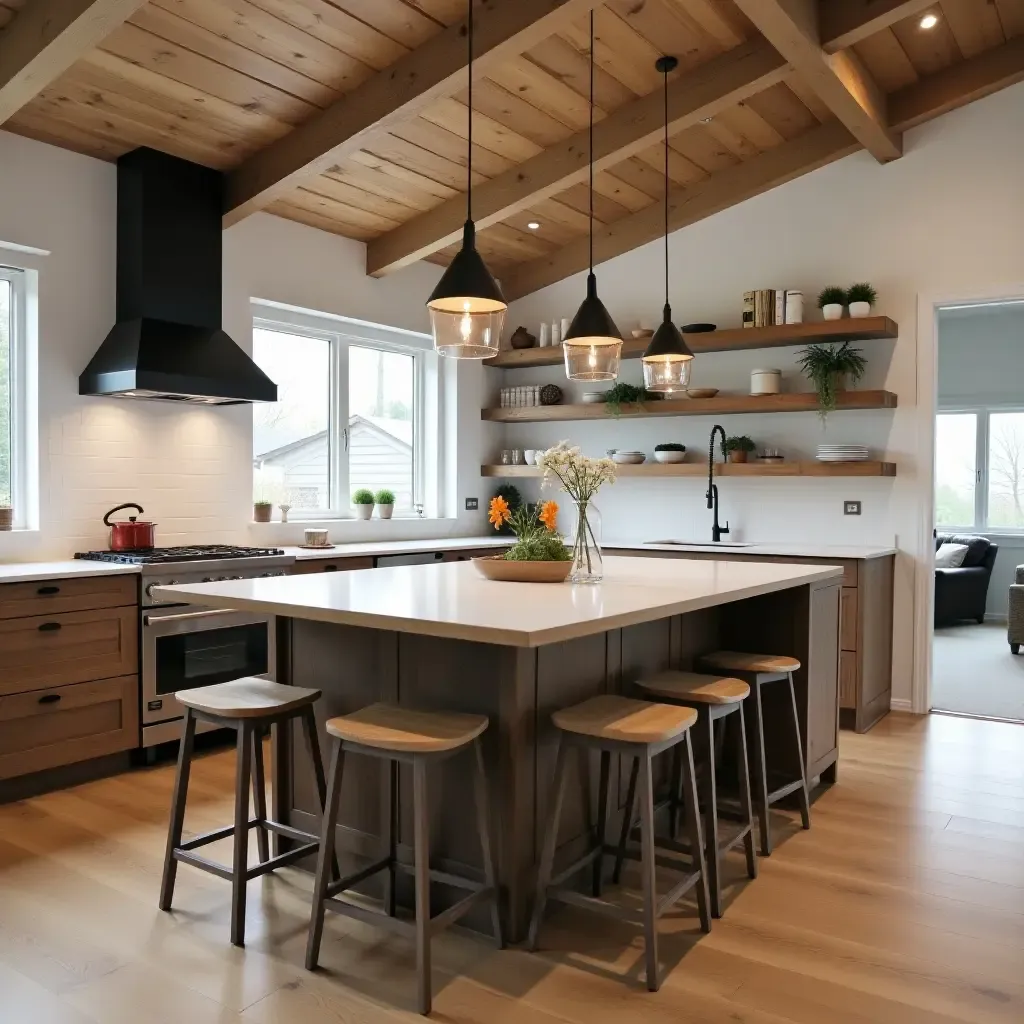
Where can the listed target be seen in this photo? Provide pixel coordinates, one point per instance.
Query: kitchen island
(442, 637)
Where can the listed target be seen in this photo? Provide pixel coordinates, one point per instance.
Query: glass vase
(587, 562)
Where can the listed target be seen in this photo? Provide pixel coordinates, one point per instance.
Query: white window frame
(22, 399)
(341, 333)
(983, 415)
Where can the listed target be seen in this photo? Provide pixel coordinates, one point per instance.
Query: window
(352, 412)
(979, 469)
(13, 396)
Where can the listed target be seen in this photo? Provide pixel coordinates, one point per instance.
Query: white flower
(581, 477)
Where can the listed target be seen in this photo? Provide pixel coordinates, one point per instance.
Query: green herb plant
(534, 541)
(825, 365)
(362, 497)
(256, 504)
(623, 394)
(384, 497)
(739, 443)
(862, 292)
(832, 295)
(670, 446)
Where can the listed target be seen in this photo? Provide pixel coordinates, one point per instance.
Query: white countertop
(374, 548)
(23, 572)
(453, 600)
(840, 551)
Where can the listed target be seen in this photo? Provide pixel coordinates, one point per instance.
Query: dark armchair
(960, 593)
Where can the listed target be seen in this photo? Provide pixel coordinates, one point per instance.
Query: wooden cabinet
(49, 597)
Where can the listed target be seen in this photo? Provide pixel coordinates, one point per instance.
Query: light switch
(851, 508)
(472, 504)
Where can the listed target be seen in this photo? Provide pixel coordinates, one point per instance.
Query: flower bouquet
(539, 554)
(581, 477)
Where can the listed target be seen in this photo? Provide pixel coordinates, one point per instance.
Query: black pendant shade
(592, 319)
(467, 275)
(668, 340)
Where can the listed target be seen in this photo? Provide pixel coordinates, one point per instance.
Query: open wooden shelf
(801, 401)
(697, 469)
(869, 328)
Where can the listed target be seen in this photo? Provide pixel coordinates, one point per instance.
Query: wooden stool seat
(388, 727)
(693, 686)
(740, 661)
(248, 698)
(624, 720)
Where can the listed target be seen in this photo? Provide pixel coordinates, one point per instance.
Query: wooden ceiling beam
(845, 22)
(839, 80)
(937, 94)
(701, 93)
(436, 69)
(46, 38)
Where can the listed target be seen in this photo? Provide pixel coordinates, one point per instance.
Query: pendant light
(467, 308)
(593, 344)
(668, 359)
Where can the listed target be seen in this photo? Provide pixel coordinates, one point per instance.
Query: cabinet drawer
(848, 619)
(847, 679)
(62, 725)
(76, 647)
(330, 565)
(50, 597)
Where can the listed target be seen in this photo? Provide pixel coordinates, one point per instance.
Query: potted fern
(860, 298)
(362, 502)
(828, 368)
(831, 301)
(385, 501)
(736, 449)
(261, 511)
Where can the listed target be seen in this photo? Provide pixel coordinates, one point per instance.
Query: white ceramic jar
(765, 382)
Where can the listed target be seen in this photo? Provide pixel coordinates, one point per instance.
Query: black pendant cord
(665, 77)
(469, 154)
(591, 136)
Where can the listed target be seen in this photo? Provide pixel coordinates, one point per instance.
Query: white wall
(189, 467)
(945, 219)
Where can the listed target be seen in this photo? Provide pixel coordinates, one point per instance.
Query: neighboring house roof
(394, 432)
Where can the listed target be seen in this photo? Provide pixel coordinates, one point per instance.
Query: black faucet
(716, 530)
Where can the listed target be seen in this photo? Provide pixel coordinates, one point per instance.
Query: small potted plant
(261, 511)
(736, 449)
(385, 501)
(860, 298)
(6, 515)
(670, 452)
(828, 367)
(539, 554)
(831, 301)
(363, 502)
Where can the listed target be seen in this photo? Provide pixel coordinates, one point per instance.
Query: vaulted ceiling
(351, 116)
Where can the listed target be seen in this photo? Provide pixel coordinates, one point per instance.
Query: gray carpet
(973, 672)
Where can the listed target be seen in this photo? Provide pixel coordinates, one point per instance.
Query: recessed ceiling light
(533, 225)
(706, 120)
(929, 21)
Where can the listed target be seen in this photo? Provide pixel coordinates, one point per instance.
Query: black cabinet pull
(49, 698)
(330, 568)
(48, 590)
(49, 627)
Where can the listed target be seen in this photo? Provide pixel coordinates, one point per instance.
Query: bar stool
(249, 706)
(715, 699)
(641, 730)
(758, 670)
(418, 738)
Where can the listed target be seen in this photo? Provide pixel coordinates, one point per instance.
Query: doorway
(977, 654)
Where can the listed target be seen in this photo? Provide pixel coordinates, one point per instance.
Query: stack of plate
(842, 453)
(628, 458)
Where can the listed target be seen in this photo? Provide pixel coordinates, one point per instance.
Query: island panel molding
(799, 401)
(697, 469)
(869, 328)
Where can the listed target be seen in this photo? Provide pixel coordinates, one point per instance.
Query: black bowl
(698, 328)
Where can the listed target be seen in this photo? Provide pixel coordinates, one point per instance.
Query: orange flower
(549, 515)
(499, 512)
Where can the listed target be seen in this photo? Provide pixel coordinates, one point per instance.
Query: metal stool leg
(627, 820)
(743, 772)
(313, 748)
(483, 817)
(711, 810)
(692, 822)
(753, 705)
(648, 854)
(602, 822)
(259, 795)
(421, 843)
(240, 861)
(177, 810)
(325, 855)
(547, 858)
(805, 803)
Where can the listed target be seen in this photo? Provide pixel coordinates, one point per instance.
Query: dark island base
(519, 689)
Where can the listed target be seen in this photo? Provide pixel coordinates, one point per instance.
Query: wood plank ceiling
(219, 81)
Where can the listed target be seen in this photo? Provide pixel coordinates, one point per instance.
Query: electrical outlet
(851, 508)
(472, 504)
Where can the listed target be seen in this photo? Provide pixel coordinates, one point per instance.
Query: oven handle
(156, 620)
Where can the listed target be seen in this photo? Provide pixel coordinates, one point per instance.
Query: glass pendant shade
(467, 308)
(668, 359)
(593, 344)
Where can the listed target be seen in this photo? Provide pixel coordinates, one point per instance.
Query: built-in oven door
(186, 647)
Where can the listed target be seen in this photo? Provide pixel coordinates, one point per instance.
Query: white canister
(765, 382)
(565, 327)
(556, 335)
(544, 340)
(794, 307)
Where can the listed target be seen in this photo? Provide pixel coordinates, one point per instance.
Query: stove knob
(149, 588)
(207, 579)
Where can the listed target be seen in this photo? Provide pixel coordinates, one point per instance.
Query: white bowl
(629, 458)
(670, 456)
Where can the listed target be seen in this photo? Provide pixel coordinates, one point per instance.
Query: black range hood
(167, 343)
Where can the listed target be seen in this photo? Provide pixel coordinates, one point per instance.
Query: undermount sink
(699, 543)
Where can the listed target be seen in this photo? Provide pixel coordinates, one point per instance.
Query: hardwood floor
(904, 903)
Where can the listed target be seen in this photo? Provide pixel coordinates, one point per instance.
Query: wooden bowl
(497, 567)
(642, 332)
(702, 392)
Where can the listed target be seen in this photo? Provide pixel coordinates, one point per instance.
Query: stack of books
(764, 307)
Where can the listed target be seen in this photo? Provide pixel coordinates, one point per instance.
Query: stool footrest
(356, 877)
(281, 860)
(599, 906)
(578, 865)
(211, 837)
(775, 795)
(446, 917)
(204, 864)
(288, 832)
(441, 877)
(683, 886)
(338, 905)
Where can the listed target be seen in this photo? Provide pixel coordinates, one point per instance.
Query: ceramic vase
(860, 309)
(832, 311)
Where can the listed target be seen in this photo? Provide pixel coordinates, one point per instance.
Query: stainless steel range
(182, 646)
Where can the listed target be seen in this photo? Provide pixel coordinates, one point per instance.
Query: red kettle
(131, 535)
